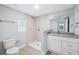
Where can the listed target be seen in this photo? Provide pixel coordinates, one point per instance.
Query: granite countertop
(69, 35)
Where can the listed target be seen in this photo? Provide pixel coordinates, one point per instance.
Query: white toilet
(10, 47)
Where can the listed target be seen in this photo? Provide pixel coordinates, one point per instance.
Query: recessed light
(36, 6)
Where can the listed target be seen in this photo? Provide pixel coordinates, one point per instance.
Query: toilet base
(12, 51)
(17, 53)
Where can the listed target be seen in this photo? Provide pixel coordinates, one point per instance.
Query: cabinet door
(55, 44)
(70, 46)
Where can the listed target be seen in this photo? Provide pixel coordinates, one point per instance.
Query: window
(21, 25)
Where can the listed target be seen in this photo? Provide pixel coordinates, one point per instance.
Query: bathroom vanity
(63, 43)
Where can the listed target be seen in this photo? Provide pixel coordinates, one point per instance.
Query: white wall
(76, 12)
(9, 30)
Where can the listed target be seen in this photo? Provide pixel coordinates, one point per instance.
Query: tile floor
(29, 51)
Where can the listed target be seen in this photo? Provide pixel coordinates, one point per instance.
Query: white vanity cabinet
(54, 44)
(63, 45)
(70, 46)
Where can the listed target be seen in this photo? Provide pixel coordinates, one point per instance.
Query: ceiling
(41, 9)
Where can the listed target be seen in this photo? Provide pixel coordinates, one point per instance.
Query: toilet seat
(12, 51)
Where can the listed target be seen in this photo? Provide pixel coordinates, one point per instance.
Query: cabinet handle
(69, 45)
(69, 52)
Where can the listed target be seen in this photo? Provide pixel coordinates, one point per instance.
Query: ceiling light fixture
(36, 6)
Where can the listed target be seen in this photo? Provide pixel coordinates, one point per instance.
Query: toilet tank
(9, 43)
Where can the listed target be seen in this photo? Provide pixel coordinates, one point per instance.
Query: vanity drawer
(70, 45)
(69, 52)
(54, 37)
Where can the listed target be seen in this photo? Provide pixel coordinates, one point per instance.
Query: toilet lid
(12, 50)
